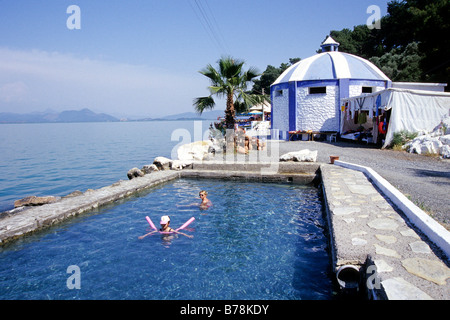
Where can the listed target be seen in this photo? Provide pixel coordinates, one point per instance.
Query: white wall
(280, 111)
(318, 112)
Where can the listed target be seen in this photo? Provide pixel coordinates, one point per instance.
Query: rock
(149, 168)
(304, 155)
(35, 201)
(430, 270)
(76, 193)
(199, 150)
(445, 151)
(180, 164)
(435, 142)
(134, 173)
(445, 139)
(162, 163)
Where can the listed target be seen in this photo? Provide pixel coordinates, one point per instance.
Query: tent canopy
(411, 110)
(260, 107)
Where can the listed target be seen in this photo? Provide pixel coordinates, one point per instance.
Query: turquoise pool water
(257, 241)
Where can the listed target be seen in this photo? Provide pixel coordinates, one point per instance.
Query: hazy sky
(142, 57)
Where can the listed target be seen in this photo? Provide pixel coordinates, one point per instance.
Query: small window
(367, 90)
(278, 93)
(317, 90)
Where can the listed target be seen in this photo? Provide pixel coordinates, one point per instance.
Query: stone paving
(365, 225)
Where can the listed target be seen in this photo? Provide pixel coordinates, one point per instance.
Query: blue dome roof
(332, 65)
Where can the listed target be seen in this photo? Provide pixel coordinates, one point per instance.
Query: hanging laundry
(362, 118)
(378, 105)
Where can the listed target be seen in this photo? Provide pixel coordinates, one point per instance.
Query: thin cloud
(54, 80)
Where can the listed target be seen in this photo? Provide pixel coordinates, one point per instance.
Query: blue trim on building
(367, 83)
(317, 83)
(272, 89)
(333, 67)
(344, 92)
(292, 106)
(344, 88)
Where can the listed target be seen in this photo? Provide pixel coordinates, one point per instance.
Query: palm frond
(203, 103)
(251, 74)
(231, 81)
(230, 68)
(212, 74)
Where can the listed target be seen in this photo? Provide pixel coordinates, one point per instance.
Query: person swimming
(165, 227)
(206, 203)
(165, 224)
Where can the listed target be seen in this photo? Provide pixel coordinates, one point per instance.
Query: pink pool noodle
(186, 224)
(150, 222)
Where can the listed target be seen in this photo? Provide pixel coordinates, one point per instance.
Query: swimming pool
(258, 241)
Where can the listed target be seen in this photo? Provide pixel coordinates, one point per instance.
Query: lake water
(58, 158)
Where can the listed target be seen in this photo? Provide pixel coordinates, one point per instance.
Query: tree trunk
(229, 123)
(230, 112)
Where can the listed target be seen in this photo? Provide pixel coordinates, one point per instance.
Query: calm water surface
(59, 158)
(257, 241)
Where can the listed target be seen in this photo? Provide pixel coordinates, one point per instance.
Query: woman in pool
(165, 227)
(206, 203)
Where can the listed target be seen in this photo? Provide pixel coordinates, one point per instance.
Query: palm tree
(229, 81)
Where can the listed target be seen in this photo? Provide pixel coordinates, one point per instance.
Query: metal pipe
(348, 277)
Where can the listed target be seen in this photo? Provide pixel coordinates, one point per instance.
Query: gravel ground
(424, 179)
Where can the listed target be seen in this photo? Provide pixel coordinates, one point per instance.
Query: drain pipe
(348, 278)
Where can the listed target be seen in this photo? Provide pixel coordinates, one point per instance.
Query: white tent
(411, 110)
(258, 109)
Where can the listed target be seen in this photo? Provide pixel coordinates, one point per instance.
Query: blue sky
(142, 57)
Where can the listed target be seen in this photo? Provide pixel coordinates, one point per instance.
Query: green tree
(229, 81)
(401, 64)
(422, 22)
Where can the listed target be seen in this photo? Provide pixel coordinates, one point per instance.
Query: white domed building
(307, 96)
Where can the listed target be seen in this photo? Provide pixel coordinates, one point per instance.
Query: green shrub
(402, 137)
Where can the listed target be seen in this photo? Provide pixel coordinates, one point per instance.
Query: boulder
(425, 145)
(445, 139)
(435, 142)
(149, 168)
(180, 164)
(304, 155)
(35, 201)
(134, 173)
(76, 193)
(445, 151)
(199, 150)
(162, 163)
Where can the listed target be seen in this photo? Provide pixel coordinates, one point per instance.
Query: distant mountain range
(208, 115)
(86, 115)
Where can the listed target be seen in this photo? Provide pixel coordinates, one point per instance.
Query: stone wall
(317, 112)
